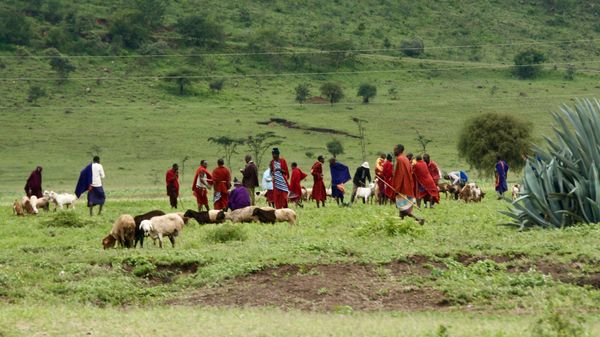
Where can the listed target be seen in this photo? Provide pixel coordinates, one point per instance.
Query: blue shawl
(85, 180)
(339, 175)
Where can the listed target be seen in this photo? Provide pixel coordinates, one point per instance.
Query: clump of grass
(559, 322)
(390, 226)
(226, 232)
(65, 219)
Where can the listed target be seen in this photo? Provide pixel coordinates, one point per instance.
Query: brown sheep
(123, 232)
(18, 208)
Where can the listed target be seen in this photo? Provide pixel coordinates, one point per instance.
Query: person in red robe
(222, 183)
(387, 174)
(295, 187)
(379, 178)
(425, 188)
(33, 186)
(201, 184)
(172, 180)
(403, 185)
(280, 174)
(434, 170)
(318, 191)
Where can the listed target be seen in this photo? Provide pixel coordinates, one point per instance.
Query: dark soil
(293, 125)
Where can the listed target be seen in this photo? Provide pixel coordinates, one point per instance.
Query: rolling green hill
(118, 102)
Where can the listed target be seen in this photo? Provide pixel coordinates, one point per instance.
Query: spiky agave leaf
(561, 186)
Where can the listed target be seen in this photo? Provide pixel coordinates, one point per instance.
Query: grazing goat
(212, 216)
(471, 193)
(445, 188)
(264, 215)
(27, 206)
(18, 208)
(169, 225)
(366, 193)
(139, 233)
(43, 203)
(123, 232)
(62, 199)
(516, 190)
(286, 214)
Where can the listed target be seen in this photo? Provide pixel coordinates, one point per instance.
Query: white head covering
(365, 165)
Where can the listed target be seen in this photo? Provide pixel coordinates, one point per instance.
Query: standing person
(33, 186)
(267, 184)
(380, 179)
(403, 185)
(295, 187)
(318, 192)
(362, 174)
(239, 197)
(280, 174)
(501, 173)
(426, 188)
(172, 180)
(340, 174)
(222, 182)
(388, 174)
(411, 158)
(201, 184)
(90, 180)
(434, 170)
(250, 177)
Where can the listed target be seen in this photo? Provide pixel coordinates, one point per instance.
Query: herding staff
(400, 194)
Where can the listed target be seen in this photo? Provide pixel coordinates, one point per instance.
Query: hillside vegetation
(434, 65)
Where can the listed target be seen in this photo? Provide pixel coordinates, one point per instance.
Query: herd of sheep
(32, 205)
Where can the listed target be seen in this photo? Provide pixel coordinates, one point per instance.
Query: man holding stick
(403, 185)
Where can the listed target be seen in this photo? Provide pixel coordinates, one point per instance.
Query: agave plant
(561, 185)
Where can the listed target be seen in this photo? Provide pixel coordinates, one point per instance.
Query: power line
(291, 52)
(157, 77)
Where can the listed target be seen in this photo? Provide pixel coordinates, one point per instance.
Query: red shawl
(434, 171)
(318, 192)
(295, 187)
(221, 179)
(425, 184)
(172, 179)
(387, 175)
(403, 177)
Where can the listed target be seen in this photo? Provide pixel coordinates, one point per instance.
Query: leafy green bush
(412, 48)
(35, 92)
(390, 226)
(332, 91)
(489, 135)
(128, 28)
(14, 28)
(367, 91)
(226, 232)
(302, 92)
(527, 64)
(557, 322)
(200, 31)
(561, 186)
(65, 219)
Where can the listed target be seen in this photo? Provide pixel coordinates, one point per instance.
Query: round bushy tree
(367, 91)
(489, 135)
(332, 91)
(527, 64)
(200, 31)
(335, 147)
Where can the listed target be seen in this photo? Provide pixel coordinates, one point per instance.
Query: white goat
(61, 200)
(366, 193)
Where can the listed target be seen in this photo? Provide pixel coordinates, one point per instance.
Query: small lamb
(61, 199)
(366, 193)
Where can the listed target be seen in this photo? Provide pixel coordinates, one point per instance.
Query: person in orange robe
(201, 184)
(295, 187)
(425, 187)
(222, 182)
(379, 176)
(403, 185)
(280, 174)
(387, 173)
(434, 170)
(318, 191)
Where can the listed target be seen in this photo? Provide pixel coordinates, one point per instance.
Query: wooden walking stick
(403, 196)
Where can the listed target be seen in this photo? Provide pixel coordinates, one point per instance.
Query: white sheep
(366, 193)
(169, 225)
(286, 215)
(33, 201)
(242, 215)
(62, 199)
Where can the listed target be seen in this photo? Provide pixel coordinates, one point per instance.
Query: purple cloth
(96, 196)
(340, 174)
(33, 186)
(85, 180)
(238, 198)
(502, 171)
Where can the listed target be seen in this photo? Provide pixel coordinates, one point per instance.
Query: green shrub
(226, 232)
(65, 219)
(367, 91)
(412, 48)
(200, 31)
(128, 28)
(527, 64)
(557, 322)
(332, 91)
(14, 28)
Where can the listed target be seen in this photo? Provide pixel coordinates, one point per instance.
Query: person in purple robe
(33, 186)
(501, 173)
(238, 197)
(340, 174)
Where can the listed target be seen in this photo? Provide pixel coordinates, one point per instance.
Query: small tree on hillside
(228, 145)
(59, 63)
(200, 31)
(14, 28)
(35, 92)
(181, 77)
(332, 91)
(423, 141)
(216, 85)
(260, 143)
(335, 147)
(527, 64)
(302, 93)
(362, 136)
(412, 48)
(367, 91)
(487, 136)
(128, 27)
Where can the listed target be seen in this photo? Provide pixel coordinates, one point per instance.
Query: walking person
(388, 193)
(250, 177)
(403, 185)
(172, 180)
(318, 191)
(433, 168)
(340, 174)
(201, 184)
(267, 185)
(91, 180)
(295, 186)
(362, 174)
(501, 173)
(222, 183)
(280, 174)
(426, 188)
(33, 186)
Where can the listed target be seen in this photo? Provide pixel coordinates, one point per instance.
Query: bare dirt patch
(293, 125)
(334, 287)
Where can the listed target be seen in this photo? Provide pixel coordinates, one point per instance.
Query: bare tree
(228, 145)
(362, 137)
(260, 143)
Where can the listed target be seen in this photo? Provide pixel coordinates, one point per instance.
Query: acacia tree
(181, 77)
(335, 147)
(228, 145)
(260, 143)
(302, 93)
(487, 136)
(332, 91)
(367, 91)
(422, 140)
(361, 133)
(528, 64)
